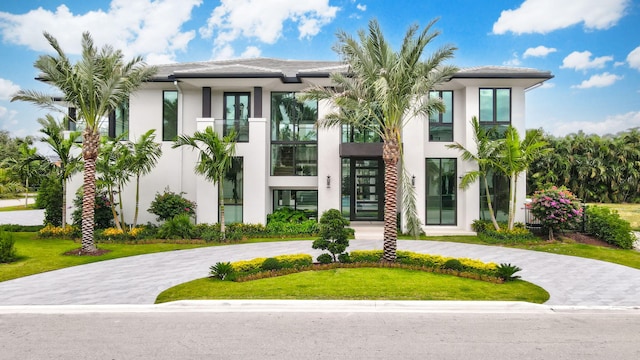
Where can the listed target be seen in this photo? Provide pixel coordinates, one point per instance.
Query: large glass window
(499, 191)
(232, 191)
(236, 115)
(351, 134)
(441, 124)
(495, 110)
(305, 200)
(441, 191)
(169, 115)
(294, 149)
(122, 118)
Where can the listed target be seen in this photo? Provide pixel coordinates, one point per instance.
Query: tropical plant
(144, 157)
(221, 270)
(67, 163)
(333, 233)
(607, 225)
(556, 209)
(112, 167)
(95, 85)
(506, 271)
(28, 165)
(214, 160)
(50, 199)
(169, 204)
(7, 249)
(484, 157)
(381, 91)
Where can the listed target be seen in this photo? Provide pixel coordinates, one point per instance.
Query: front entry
(363, 188)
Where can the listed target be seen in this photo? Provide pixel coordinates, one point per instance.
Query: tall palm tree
(381, 91)
(68, 164)
(95, 85)
(215, 159)
(484, 157)
(27, 164)
(112, 167)
(144, 157)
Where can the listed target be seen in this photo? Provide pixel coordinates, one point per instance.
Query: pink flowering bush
(556, 208)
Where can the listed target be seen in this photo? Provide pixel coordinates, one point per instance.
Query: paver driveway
(139, 279)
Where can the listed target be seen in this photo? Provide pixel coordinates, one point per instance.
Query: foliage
(59, 232)
(7, 249)
(308, 227)
(287, 215)
(453, 264)
(144, 157)
(169, 204)
(556, 209)
(607, 225)
(271, 264)
(506, 271)
(50, 199)
(286, 262)
(344, 258)
(325, 258)
(103, 217)
(333, 233)
(222, 270)
(601, 169)
(20, 228)
(178, 227)
(486, 233)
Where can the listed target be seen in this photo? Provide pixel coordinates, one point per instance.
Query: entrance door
(363, 189)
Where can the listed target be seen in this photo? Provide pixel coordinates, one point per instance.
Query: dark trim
(206, 102)
(495, 105)
(542, 76)
(257, 101)
(368, 150)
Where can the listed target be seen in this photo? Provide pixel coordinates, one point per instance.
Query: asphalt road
(274, 334)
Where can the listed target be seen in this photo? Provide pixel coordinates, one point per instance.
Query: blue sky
(591, 46)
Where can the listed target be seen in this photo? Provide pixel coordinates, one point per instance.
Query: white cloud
(7, 89)
(611, 125)
(514, 61)
(539, 51)
(601, 80)
(634, 58)
(138, 27)
(263, 20)
(251, 52)
(582, 61)
(544, 16)
(8, 118)
(361, 7)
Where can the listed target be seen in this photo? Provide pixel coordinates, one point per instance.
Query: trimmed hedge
(286, 262)
(607, 225)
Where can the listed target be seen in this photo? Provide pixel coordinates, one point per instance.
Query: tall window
(305, 200)
(122, 118)
(441, 124)
(441, 191)
(351, 134)
(495, 109)
(169, 115)
(499, 191)
(233, 193)
(236, 115)
(294, 145)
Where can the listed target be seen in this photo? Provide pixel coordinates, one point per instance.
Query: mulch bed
(587, 239)
(80, 252)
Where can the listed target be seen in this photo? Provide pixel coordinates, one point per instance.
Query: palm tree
(381, 91)
(27, 164)
(484, 156)
(68, 164)
(95, 85)
(216, 158)
(113, 173)
(144, 157)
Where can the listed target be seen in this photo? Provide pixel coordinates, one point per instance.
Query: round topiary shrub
(453, 264)
(271, 264)
(325, 258)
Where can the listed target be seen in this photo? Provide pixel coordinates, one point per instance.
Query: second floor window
(169, 115)
(236, 115)
(441, 124)
(495, 110)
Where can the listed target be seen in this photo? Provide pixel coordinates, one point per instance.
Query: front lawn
(629, 212)
(357, 284)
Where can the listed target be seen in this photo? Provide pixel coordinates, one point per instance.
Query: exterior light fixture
(328, 181)
(413, 180)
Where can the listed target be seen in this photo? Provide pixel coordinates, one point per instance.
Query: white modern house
(283, 160)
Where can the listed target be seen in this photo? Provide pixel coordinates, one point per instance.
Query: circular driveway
(139, 279)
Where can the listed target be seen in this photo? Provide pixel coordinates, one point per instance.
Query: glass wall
(232, 192)
(441, 191)
(495, 110)
(305, 200)
(441, 124)
(294, 149)
(169, 115)
(236, 115)
(122, 119)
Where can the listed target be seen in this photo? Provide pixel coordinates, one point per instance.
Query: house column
(255, 154)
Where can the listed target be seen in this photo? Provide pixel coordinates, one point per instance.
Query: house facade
(284, 160)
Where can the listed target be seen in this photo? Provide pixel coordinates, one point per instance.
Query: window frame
(494, 103)
(441, 194)
(238, 122)
(440, 116)
(164, 117)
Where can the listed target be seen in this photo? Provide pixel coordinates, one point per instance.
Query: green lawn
(629, 212)
(357, 284)
(19, 207)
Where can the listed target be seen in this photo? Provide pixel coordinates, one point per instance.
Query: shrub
(271, 264)
(607, 225)
(325, 258)
(333, 233)
(50, 199)
(57, 232)
(20, 228)
(506, 271)
(169, 204)
(286, 262)
(556, 208)
(308, 227)
(344, 258)
(222, 270)
(103, 217)
(287, 215)
(7, 250)
(179, 227)
(453, 264)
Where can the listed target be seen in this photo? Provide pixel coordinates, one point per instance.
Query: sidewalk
(571, 281)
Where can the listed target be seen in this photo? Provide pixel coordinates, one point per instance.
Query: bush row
(487, 233)
(607, 225)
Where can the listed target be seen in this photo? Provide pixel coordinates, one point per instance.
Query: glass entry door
(363, 189)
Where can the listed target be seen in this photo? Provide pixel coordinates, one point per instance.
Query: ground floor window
(233, 193)
(305, 200)
(441, 191)
(499, 191)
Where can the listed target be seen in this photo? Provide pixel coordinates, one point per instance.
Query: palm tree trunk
(512, 201)
(26, 193)
(221, 203)
(390, 154)
(89, 153)
(120, 205)
(64, 203)
(135, 215)
(490, 205)
(112, 205)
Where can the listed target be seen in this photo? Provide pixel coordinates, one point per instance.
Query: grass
(357, 284)
(19, 207)
(629, 212)
(630, 258)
